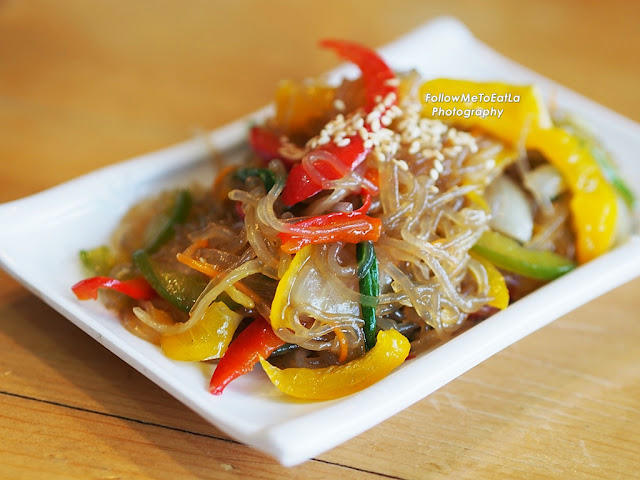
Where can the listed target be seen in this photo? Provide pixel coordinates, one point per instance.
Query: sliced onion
(545, 183)
(510, 210)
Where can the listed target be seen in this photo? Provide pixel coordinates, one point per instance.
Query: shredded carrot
(203, 242)
(342, 340)
(201, 267)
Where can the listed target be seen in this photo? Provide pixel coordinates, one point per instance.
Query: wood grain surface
(87, 84)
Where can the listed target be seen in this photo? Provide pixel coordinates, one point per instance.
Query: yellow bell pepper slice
(299, 105)
(498, 290)
(209, 338)
(516, 119)
(391, 349)
(593, 203)
(283, 290)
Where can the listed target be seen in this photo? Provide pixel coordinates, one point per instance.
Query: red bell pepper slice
(375, 72)
(300, 186)
(265, 143)
(137, 288)
(376, 75)
(350, 227)
(255, 341)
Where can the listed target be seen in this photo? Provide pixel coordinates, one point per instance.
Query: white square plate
(83, 212)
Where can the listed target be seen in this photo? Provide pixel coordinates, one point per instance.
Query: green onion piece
(287, 347)
(509, 255)
(370, 287)
(264, 174)
(364, 264)
(98, 261)
(162, 228)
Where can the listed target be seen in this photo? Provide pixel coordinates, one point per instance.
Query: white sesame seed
(372, 116)
(323, 140)
(381, 156)
(364, 134)
(359, 123)
(402, 164)
(389, 99)
(385, 120)
(338, 104)
(377, 98)
(375, 125)
(392, 82)
(433, 173)
(344, 142)
(368, 144)
(438, 165)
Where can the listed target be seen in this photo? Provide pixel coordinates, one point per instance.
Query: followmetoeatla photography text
(490, 107)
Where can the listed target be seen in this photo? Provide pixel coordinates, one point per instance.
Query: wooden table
(86, 84)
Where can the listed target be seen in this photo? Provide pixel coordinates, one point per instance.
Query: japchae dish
(371, 221)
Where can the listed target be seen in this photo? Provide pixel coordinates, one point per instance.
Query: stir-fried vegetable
(98, 261)
(508, 254)
(351, 227)
(282, 297)
(498, 290)
(264, 142)
(179, 289)
(546, 184)
(209, 338)
(298, 106)
(369, 286)
(162, 228)
(391, 349)
(256, 341)
(510, 210)
(137, 288)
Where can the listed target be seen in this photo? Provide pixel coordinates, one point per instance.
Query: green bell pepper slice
(509, 255)
(162, 228)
